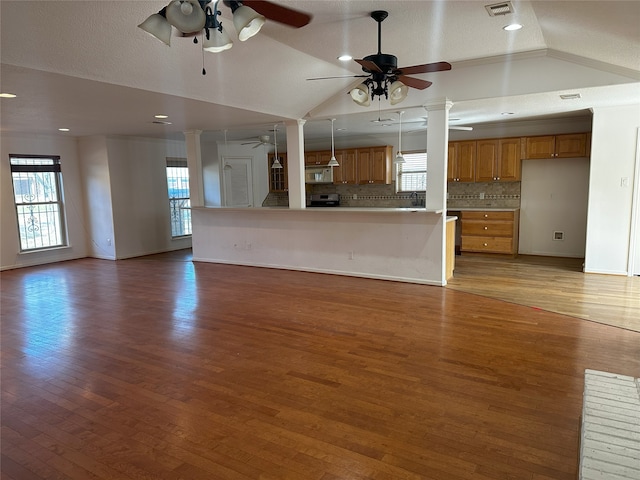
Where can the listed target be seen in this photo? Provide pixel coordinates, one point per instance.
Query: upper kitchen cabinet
(556, 146)
(347, 172)
(498, 160)
(278, 181)
(374, 165)
(320, 159)
(462, 161)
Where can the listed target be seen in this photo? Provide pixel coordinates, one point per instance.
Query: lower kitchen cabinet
(490, 231)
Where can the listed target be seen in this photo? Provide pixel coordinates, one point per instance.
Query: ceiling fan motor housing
(386, 62)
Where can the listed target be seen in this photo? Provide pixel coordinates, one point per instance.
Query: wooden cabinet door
(466, 157)
(540, 147)
(452, 171)
(311, 158)
(509, 163)
(347, 171)
(380, 169)
(364, 165)
(486, 160)
(571, 145)
(278, 179)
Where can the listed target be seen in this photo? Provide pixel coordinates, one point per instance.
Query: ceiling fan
(424, 125)
(193, 17)
(260, 140)
(383, 77)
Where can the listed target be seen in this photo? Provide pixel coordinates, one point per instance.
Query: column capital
(443, 104)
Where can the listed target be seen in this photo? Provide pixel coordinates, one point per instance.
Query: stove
(324, 200)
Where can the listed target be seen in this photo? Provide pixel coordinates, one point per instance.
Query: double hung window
(179, 199)
(411, 176)
(37, 194)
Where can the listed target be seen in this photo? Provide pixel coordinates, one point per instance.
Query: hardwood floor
(555, 284)
(159, 368)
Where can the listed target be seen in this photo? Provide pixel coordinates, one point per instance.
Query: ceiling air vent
(502, 8)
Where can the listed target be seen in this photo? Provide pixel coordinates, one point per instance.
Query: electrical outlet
(355, 196)
(558, 235)
(624, 182)
(109, 241)
(351, 255)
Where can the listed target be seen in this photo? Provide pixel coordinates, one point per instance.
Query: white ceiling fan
(260, 140)
(424, 125)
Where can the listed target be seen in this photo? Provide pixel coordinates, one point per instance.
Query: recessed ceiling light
(161, 116)
(7, 95)
(341, 129)
(63, 129)
(345, 58)
(512, 26)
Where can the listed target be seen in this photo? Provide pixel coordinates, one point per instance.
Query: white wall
(613, 153)
(65, 147)
(138, 182)
(554, 195)
(97, 197)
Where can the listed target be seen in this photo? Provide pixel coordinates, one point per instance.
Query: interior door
(238, 181)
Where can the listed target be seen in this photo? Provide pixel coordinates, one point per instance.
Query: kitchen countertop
(481, 209)
(328, 209)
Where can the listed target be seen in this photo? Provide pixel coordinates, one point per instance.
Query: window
(37, 195)
(179, 202)
(412, 174)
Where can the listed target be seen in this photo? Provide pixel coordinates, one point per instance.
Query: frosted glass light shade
(218, 41)
(157, 26)
(397, 92)
(247, 22)
(399, 158)
(333, 162)
(184, 20)
(360, 95)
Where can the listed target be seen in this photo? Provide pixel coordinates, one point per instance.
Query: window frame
(174, 208)
(56, 169)
(399, 173)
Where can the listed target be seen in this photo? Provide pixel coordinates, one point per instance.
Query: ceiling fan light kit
(191, 17)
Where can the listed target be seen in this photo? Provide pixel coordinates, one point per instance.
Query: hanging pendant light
(399, 158)
(276, 163)
(333, 162)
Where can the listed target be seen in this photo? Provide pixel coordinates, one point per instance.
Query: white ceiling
(86, 66)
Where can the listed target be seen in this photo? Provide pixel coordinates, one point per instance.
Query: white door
(238, 181)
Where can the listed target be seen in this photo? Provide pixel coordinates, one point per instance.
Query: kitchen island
(401, 244)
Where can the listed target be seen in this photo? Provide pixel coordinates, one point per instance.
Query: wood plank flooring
(555, 284)
(159, 368)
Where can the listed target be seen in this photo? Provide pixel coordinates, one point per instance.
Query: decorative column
(437, 156)
(295, 163)
(194, 163)
(437, 153)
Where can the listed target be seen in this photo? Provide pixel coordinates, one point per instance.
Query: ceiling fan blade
(415, 82)
(278, 13)
(426, 68)
(340, 76)
(369, 65)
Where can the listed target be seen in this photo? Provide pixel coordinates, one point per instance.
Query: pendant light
(276, 163)
(399, 158)
(333, 162)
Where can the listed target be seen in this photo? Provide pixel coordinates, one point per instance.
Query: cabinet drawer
(486, 215)
(494, 229)
(487, 244)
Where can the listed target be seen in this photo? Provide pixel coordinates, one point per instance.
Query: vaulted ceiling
(85, 65)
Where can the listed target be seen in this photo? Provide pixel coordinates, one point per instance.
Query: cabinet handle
(486, 228)
(486, 215)
(485, 244)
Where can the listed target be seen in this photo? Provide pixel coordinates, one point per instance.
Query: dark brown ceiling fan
(383, 77)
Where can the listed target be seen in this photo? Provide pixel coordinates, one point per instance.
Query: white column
(194, 163)
(295, 163)
(437, 152)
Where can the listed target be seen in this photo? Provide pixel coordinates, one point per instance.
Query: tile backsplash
(460, 195)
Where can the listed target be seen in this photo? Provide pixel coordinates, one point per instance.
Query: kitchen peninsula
(401, 244)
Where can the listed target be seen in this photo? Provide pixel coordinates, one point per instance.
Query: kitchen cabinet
(317, 158)
(346, 172)
(461, 164)
(490, 231)
(374, 165)
(498, 160)
(278, 180)
(571, 145)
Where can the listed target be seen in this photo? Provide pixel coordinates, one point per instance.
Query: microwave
(315, 174)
